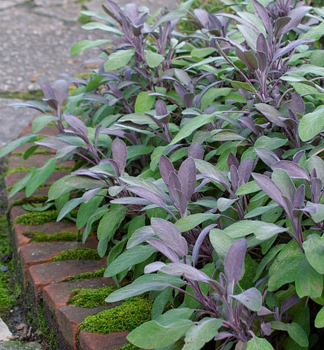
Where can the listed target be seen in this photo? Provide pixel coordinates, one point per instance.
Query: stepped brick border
(45, 282)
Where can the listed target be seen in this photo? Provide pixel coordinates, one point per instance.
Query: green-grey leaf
(297, 334)
(41, 121)
(119, 59)
(189, 222)
(308, 282)
(129, 258)
(153, 335)
(318, 216)
(14, 144)
(40, 176)
(258, 344)
(191, 126)
(311, 124)
(314, 250)
(153, 59)
(85, 45)
(250, 298)
(101, 26)
(111, 221)
(270, 143)
(221, 242)
(284, 267)
(144, 102)
(59, 188)
(200, 334)
(249, 187)
(70, 205)
(319, 320)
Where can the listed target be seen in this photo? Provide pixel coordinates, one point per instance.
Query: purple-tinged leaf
(234, 178)
(166, 168)
(223, 335)
(294, 170)
(245, 170)
(199, 241)
(234, 260)
(264, 311)
(187, 271)
(231, 160)
(131, 201)
(297, 104)
(170, 235)
(149, 196)
(30, 105)
(90, 194)
(223, 279)
(291, 46)
(250, 123)
(187, 176)
(266, 328)
(161, 109)
(181, 202)
(153, 267)
(296, 15)
(76, 124)
(180, 90)
(119, 152)
(251, 298)
(272, 114)
(48, 91)
(164, 249)
(173, 185)
(262, 60)
(86, 172)
(289, 302)
(196, 151)
(316, 189)
(280, 24)
(187, 99)
(263, 14)
(251, 59)
(203, 18)
(298, 156)
(61, 91)
(268, 157)
(299, 197)
(270, 188)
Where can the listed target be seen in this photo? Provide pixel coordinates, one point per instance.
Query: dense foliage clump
(199, 162)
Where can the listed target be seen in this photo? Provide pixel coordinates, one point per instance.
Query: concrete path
(36, 36)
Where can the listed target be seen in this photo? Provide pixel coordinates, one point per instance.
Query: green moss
(23, 95)
(87, 275)
(77, 254)
(126, 317)
(9, 291)
(9, 188)
(20, 169)
(128, 346)
(32, 199)
(40, 151)
(36, 218)
(40, 236)
(90, 298)
(49, 337)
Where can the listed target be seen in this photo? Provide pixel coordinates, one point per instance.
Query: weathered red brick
(36, 160)
(42, 275)
(47, 131)
(41, 252)
(95, 341)
(69, 319)
(43, 191)
(57, 295)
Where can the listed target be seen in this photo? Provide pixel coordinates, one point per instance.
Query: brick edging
(44, 281)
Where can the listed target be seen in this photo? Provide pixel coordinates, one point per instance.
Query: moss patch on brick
(126, 317)
(87, 297)
(77, 254)
(36, 218)
(87, 275)
(40, 236)
(31, 199)
(8, 290)
(128, 346)
(20, 169)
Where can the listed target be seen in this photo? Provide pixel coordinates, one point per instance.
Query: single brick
(40, 276)
(69, 319)
(57, 295)
(38, 253)
(94, 341)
